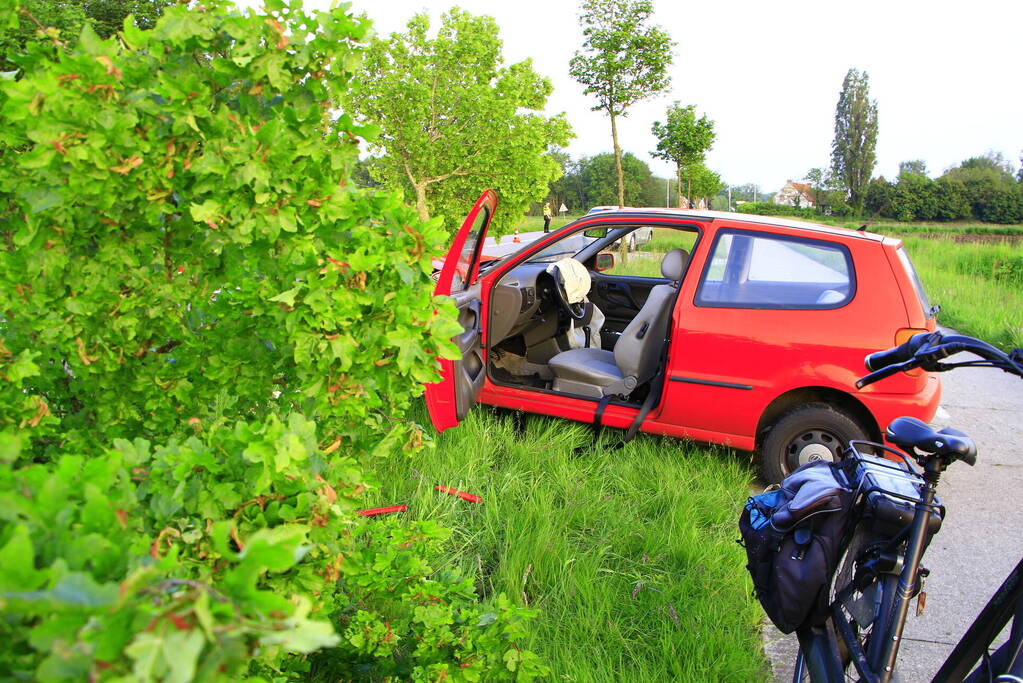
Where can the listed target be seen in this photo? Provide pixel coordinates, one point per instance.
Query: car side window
(467, 259)
(758, 270)
(647, 246)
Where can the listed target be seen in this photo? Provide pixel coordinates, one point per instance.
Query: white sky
(946, 76)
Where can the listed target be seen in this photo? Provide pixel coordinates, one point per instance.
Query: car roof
(697, 215)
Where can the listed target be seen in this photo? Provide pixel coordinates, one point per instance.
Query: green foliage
(63, 20)
(624, 60)
(979, 188)
(456, 120)
(772, 209)
(700, 181)
(684, 140)
(208, 333)
(853, 149)
(597, 176)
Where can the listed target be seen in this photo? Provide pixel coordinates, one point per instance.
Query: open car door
(461, 380)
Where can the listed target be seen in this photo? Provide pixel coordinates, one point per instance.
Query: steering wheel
(576, 311)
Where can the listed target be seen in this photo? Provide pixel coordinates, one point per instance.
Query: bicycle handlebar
(927, 349)
(897, 354)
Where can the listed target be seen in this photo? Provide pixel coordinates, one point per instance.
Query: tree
(914, 167)
(817, 177)
(989, 187)
(69, 16)
(990, 161)
(455, 120)
(683, 139)
(853, 149)
(598, 178)
(702, 182)
(208, 334)
(624, 60)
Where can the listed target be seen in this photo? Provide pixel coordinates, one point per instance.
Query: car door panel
(620, 298)
(469, 370)
(449, 400)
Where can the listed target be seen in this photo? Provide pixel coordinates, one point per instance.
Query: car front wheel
(810, 432)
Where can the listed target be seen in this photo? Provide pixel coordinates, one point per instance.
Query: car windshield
(570, 246)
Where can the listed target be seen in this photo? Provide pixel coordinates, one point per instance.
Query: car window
(569, 246)
(756, 270)
(463, 268)
(647, 247)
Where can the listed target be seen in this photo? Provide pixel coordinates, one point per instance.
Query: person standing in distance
(548, 214)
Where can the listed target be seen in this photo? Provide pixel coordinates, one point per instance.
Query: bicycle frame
(819, 645)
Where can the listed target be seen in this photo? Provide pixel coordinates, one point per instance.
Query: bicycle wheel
(865, 608)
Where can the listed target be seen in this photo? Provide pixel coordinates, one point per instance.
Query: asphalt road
(981, 539)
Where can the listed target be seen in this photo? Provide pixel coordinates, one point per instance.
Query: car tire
(632, 242)
(812, 431)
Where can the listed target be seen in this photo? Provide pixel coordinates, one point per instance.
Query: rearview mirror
(605, 261)
(596, 232)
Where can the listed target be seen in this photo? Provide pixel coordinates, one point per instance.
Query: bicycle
(895, 515)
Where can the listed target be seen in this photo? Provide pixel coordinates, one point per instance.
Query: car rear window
(759, 270)
(921, 293)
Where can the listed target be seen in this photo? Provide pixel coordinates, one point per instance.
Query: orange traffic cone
(516, 238)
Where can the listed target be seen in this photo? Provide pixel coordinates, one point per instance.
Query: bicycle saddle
(909, 434)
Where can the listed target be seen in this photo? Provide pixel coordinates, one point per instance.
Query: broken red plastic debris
(461, 494)
(382, 511)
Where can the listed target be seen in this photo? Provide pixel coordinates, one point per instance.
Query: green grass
(630, 555)
(889, 227)
(979, 286)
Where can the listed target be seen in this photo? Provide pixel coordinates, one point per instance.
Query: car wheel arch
(817, 394)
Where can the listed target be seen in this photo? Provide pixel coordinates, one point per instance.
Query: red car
(752, 334)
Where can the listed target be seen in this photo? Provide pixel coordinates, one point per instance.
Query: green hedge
(772, 209)
(208, 338)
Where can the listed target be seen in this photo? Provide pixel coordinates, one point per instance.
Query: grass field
(886, 227)
(629, 554)
(978, 286)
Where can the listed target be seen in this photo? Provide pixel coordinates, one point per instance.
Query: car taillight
(902, 336)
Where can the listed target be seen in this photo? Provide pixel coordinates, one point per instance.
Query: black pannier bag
(793, 537)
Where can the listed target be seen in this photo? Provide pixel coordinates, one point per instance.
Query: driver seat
(597, 373)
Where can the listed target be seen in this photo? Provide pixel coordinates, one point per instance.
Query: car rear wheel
(810, 432)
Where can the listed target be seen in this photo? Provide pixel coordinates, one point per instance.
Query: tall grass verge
(979, 286)
(630, 554)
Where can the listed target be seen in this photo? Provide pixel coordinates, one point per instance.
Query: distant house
(795, 194)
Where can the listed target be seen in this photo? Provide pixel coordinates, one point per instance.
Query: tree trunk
(618, 161)
(420, 188)
(678, 186)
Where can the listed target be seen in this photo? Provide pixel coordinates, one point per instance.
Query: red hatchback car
(729, 328)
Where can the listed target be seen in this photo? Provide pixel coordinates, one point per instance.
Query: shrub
(772, 209)
(207, 332)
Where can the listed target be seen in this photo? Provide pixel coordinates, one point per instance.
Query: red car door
(461, 380)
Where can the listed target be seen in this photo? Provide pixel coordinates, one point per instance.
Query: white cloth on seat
(574, 275)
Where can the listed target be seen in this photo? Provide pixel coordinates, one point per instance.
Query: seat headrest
(673, 265)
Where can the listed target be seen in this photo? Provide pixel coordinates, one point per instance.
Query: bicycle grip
(898, 354)
(878, 375)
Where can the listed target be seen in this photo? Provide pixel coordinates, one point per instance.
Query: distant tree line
(982, 188)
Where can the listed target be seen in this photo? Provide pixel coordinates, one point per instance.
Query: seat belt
(648, 405)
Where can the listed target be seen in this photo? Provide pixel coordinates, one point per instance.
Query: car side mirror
(596, 232)
(605, 261)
